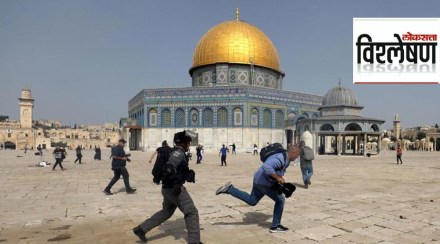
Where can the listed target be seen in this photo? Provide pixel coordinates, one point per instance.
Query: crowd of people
(174, 172)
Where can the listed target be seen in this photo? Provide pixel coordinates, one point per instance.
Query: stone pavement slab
(351, 200)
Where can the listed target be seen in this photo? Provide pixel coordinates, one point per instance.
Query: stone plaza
(352, 200)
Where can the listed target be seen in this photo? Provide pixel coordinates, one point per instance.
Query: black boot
(140, 233)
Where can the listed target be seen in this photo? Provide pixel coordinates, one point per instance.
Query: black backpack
(160, 164)
(270, 150)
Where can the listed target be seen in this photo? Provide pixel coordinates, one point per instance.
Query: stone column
(356, 143)
(127, 138)
(379, 144)
(339, 145)
(365, 144)
(143, 144)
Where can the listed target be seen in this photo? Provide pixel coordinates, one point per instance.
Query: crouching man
(272, 171)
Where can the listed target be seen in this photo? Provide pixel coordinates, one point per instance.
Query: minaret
(396, 123)
(26, 105)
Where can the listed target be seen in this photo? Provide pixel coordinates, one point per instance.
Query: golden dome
(236, 41)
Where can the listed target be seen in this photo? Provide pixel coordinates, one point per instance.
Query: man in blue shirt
(272, 171)
(223, 152)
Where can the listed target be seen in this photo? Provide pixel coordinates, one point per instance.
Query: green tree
(421, 135)
(436, 126)
(393, 138)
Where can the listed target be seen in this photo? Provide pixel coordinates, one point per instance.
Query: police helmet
(182, 137)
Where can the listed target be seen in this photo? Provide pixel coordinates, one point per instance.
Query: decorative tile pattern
(243, 77)
(259, 79)
(267, 118)
(222, 117)
(208, 117)
(232, 76)
(206, 76)
(180, 117)
(194, 118)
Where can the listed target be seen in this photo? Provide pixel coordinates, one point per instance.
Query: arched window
(374, 127)
(353, 127)
(153, 117)
(222, 117)
(208, 117)
(179, 116)
(254, 117)
(267, 118)
(166, 118)
(194, 117)
(238, 116)
(327, 127)
(279, 119)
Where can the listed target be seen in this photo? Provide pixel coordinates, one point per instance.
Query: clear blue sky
(84, 59)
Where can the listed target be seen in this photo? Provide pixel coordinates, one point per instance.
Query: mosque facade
(236, 96)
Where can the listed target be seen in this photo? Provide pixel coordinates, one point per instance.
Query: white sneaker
(223, 189)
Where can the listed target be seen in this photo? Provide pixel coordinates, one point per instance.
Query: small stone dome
(340, 96)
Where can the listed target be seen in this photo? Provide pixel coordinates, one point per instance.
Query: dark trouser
(255, 152)
(78, 158)
(399, 157)
(224, 160)
(199, 158)
(258, 192)
(307, 171)
(58, 162)
(169, 205)
(118, 172)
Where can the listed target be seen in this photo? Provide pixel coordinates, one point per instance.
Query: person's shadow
(252, 218)
(176, 228)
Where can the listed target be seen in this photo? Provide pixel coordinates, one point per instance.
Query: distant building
(48, 133)
(19, 134)
(47, 123)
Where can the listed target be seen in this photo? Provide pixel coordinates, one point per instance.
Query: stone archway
(10, 145)
(327, 140)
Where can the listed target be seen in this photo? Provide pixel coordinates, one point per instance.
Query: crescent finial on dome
(237, 13)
